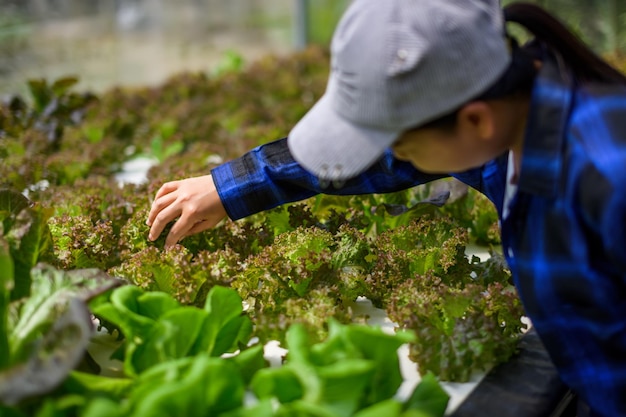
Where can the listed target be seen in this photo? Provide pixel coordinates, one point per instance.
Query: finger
(158, 205)
(200, 227)
(180, 229)
(167, 188)
(165, 216)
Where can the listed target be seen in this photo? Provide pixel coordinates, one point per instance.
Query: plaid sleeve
(268, 176)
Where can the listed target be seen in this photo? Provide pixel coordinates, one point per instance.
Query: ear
(476, 119)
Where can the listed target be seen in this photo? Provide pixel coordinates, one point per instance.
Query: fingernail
(150, 237)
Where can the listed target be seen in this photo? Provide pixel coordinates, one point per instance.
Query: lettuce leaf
(354, 368)
(48, 332)
(157, 329)
(6, 285)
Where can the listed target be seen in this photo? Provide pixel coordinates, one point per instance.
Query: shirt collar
(549, 109)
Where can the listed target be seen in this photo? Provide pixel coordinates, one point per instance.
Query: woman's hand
(194, 201)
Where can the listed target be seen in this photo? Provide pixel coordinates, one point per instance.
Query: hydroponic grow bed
(298, 268)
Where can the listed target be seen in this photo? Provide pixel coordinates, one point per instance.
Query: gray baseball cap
(395, 65)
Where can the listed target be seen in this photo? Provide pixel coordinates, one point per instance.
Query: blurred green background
(601, 23)
(143, 42)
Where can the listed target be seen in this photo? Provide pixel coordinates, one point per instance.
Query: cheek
(424, 156)
(437, 154)
(401, 151)
(412, 145)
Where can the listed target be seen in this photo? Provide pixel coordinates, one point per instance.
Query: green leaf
(63, 85)
(58, 352)
(343, 385)
(234, 333)
(387, 408)
(171, 337)
(6, 285)
(250, 361)
(123, 309)
(154, 304)
(156, 147)
(231, 61)
(264, 408)
(223, 304)
(173, 149)
(27, 233)
(428, 397)
(301, 288)
(164, 277)
(369, 343)
(278, 219)
(281, 383)
(102, 407)
(354, 367)
(94, 134)
(224, 325)
(182, 388)
(30, 239)
(455, 305)
(41, 93)
(301, 408)
(381, 348)
(167, 128)
(158, 329)
(49, 331)
(88, 384)
(416, 413)
(299, 344)
(51, 290)
(12, 203)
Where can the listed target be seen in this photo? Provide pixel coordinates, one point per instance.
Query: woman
(421, 90)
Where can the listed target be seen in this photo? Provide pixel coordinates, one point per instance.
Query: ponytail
(586, 65)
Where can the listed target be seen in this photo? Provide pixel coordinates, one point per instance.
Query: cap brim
(332, 148)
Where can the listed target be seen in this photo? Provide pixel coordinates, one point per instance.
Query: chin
(431, 170)
(443, 170)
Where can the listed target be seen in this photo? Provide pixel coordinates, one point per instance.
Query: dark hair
(519, 76)
(585, 64)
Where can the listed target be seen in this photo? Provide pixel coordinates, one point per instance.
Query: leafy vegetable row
(293, 266)
(173, 357)
(298, 268)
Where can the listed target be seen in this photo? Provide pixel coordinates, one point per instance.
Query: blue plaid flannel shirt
(565, 236)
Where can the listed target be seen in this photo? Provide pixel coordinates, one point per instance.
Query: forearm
(268, 176)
